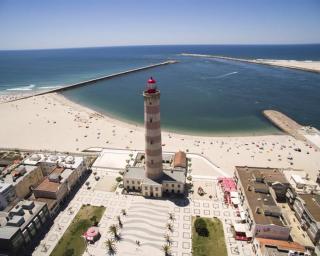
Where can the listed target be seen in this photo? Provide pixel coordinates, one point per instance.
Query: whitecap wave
(49, 87)
(228, 74)
(220, 76)
(23, 88)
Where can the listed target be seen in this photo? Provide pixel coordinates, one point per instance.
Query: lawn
(72, 242)
(214, 244)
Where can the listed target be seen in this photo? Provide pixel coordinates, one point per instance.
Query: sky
(40, 24)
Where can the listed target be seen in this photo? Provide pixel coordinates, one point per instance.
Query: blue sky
(85, 23)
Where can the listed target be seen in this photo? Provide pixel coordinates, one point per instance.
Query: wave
(49, 87)
(219, 76)
(24, 88)
(228, 74)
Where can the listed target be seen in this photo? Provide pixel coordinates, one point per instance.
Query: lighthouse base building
(154, 176)
(172, 180)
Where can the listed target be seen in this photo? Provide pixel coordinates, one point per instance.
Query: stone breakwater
(11, 97)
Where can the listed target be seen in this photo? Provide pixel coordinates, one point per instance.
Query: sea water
(198, 95)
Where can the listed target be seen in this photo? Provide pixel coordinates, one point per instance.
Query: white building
(48, 162)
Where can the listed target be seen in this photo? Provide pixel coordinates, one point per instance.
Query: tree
(201, 227)
(168, 239)
(113, 229)
(170, 227)
(171, 217)
(111, 246)
(166, 248)
(119, 221)
(118, 179)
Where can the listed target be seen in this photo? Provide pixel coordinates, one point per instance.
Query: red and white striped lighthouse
(153, 147)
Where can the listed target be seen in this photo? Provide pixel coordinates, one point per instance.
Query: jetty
(97, 79)
(285, 123)
(309, 66)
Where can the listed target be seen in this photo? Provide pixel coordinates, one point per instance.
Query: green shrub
(201, 227)
(118, 179)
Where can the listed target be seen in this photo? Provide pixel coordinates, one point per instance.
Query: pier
(94, 80)
(285, 123)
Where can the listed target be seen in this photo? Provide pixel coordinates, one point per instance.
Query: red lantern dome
(151, 86)
(151, 81)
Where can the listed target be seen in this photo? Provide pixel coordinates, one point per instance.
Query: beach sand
(52, 122)
(306, 65)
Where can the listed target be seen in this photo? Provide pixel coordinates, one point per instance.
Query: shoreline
(302, 65)
(123, 120)
(53, 122)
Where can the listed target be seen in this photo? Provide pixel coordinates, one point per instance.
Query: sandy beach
(53, 122)
(305, 65)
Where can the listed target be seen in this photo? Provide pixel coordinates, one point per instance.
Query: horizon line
(154, 45)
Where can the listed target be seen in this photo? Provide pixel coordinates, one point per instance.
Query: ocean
(198, 95)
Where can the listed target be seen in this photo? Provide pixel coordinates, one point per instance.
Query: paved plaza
(145, 221)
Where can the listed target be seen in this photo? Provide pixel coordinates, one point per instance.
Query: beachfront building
(307, 211)
(20, 225)
(49, 161)
(258, 189)
(152, 179)
(303, 197)
(23, 178)
(271, 247)
(7, 194)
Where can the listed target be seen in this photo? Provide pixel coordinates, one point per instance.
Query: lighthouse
(148, 175)
(153, 147)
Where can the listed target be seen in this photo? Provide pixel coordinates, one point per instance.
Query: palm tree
(123, 211)
(111, 246)
(166, 248)
(171, 217)
(113, 229)
(119, 221)
(170, 227)
(168, 239)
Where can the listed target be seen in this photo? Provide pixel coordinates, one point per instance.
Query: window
(127, 181)
(172, 185)
(178, 185)
(150, 103)
(167, 185)
(178, 191)
(151, 161)
(146, 188)
(133, 182)
(26, 235)
(150, 120)
(138, 182)
(156, 189)
(151, 142)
